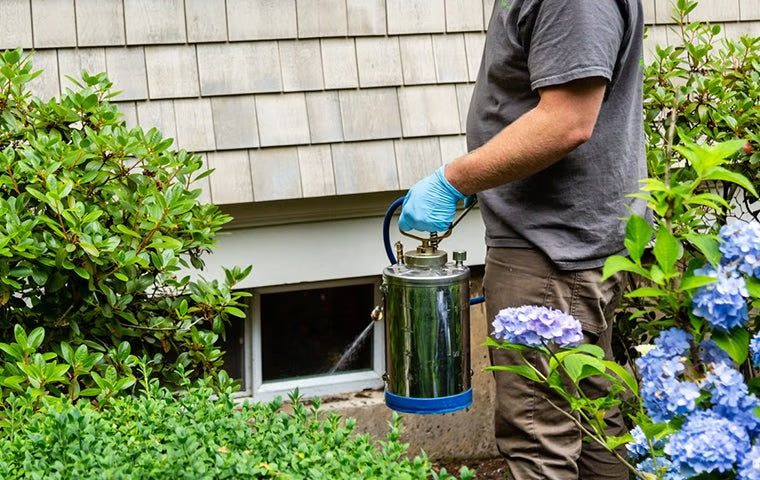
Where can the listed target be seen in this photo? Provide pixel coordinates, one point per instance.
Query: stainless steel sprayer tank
(426, 302)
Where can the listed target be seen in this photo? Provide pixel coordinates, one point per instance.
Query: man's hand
(430, 204)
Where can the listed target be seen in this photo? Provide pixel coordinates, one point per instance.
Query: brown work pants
(537, 440)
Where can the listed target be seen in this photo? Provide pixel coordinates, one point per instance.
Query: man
(556, 145)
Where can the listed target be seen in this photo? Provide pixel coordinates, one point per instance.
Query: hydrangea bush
(694, 414)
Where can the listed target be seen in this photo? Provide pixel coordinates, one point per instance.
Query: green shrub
(703, 88)
(184, 435)
(97, 224)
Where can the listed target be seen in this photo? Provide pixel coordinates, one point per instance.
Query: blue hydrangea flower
(707, 443)
(663, 392)
(673, 342)
(722, 303)
(730, 396)
(740, 246)
(639, 447)
(662, 468)
(749, 469)
(664, 395)
(710, 352)
(535, 326)
(754, 349)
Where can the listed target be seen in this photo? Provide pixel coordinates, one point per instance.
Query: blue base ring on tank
(428, 406)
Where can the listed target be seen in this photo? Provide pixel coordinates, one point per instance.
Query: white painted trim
(319, 251)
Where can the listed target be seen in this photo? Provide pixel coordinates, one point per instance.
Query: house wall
(290, 99)
(315, 114)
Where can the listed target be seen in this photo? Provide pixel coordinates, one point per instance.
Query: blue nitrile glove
(430, 204)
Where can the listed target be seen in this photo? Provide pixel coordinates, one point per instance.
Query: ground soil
(485, 468)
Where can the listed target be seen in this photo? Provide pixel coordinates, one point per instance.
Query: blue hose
(387, 240)
(387, 229)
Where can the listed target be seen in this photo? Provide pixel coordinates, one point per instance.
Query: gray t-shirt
(574, 210)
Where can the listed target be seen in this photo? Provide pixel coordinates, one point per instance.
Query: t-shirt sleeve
(574, 39)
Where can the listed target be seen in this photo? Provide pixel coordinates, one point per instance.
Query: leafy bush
(184, 435)
(692, 413)
(699, 88)
(97, 223)
(703, 87)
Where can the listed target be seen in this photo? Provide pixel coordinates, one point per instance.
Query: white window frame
(317, 386)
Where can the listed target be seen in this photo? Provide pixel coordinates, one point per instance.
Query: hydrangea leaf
(667, 251)
(579, 366)
(617, 263)
(690, 283)
(707, 245)
(637, 236)
(522, 370)
(624, 375)
(753, 287)
(735, 343)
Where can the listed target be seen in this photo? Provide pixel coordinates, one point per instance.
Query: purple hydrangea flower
(740, 246)
(535, 326)
(754, 348)
(707, 443)
(722, 303)
(749, 469)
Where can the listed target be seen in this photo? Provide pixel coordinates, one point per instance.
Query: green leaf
(67, 353)
(647, 292)
(579, 366)
(235, 312)
(522, 370)
(710, 200)
(735, 343)
(20, 335)
(753, 287)
(692, 282)
(123, 229)
(637, 236)
(82, 272)
(40, 276)
(36, 337)
(708, 245)
(667, 251)
(587, 348)
(89, 248)
(617, 263)
(12, 56)
(720, 173)
(624, 375)
(13, 350)
(725, 149)
(615, 442)
(89, 101)
(502, 345)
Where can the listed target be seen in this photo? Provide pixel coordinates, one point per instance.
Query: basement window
(318, 338)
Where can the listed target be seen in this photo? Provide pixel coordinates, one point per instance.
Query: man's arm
(563, 120)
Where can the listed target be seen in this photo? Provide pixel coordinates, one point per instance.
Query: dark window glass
(233, 347)
(307, 332)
